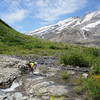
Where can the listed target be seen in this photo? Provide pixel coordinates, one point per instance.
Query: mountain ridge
(73, 29)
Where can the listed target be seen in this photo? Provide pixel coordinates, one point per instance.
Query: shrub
(95, 52)
(92, 87)
(53, 47)
(96, 69)
(29, 47)
(92, 51)
(78, 89)
(75, 60)
(64, 75)
(38, 46)
(95, 65)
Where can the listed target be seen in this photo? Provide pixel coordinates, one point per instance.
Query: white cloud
(50, 10)
(47, 10)
(13, 17)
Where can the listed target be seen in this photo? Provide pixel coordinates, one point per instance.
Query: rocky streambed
(46, 83)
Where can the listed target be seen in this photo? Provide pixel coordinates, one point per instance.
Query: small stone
(85, 75)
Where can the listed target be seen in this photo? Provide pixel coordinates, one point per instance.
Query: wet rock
(15, 96)
(7, 76)
(45, 97)
(77, 69)
(9, 70)
(3, 96)
(40, 86)
(48, 71)
(24, 69)
(44, 60)
(35, 99)
(19, 96)
(43, 84)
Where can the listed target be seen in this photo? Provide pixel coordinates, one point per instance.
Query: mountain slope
(75, 30)
(13, 42)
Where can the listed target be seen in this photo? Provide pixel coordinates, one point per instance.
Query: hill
(13, 42)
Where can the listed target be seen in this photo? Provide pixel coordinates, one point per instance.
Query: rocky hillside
(84, 29)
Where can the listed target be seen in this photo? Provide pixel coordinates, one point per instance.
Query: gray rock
(40, 86)
(35, 99)
(9, 70)
(43, 84)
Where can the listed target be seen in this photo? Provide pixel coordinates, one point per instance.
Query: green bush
(96, 69)
(29, 47)
(75, 60)
(92, 51)
(78, 89)
(38, 46)
(96, 66)
(92, 87)
(53, 47)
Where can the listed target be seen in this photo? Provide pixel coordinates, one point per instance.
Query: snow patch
(65, 21)
(88, 17)
(64, 24)
(41, 30)
(92, 25)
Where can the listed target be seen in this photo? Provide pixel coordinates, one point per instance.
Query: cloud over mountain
(46, 10)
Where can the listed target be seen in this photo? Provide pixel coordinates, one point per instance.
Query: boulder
(9, 70)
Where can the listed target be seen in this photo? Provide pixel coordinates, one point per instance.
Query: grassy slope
(12, 42)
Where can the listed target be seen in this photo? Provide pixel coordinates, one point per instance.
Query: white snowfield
(88, 17)
(92, 25)
(40, 30)
(65, 21)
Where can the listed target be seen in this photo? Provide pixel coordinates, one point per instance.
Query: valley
(65, 71)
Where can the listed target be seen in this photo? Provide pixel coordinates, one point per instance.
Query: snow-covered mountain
(85, 29)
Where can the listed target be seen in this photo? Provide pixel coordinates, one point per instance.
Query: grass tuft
(64, 75)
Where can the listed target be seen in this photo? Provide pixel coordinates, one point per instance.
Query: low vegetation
(82, 57)
(92, 87)
(64, 75)
(52, 98)
(75, 60)
(12, 42)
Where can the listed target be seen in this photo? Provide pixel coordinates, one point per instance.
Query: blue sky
(27, 15)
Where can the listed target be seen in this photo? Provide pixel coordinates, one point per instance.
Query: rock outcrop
(45, 84)
(9, 70)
